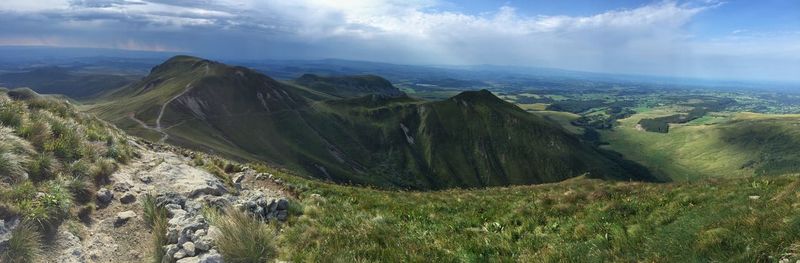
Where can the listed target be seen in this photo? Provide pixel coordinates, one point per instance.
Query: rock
(171, 249)
(180, 254)
(283, 204)
(128, 198)
(146, 179)
(175, 175)
(104, 196)
(199, 234)
(123, 217)
(212, 187)
(122, 187)
(170, 198)
(217, 202)
(282, 215)
(211, 257)
(70, 247)
(6, 228)
(213, 233)
(189, 248)
(203, 244)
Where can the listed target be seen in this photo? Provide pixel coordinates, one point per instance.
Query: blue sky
(737, 39)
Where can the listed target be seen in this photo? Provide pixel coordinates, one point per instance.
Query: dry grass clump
(244, 238)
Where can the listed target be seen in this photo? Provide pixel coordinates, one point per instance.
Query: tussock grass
(24, 245)
(580, 220)
(244, 238)
(60, 150)
(155, 217)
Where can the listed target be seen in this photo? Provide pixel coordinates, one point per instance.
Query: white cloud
(651, 39)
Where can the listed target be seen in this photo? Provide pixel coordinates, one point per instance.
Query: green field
(717, 145)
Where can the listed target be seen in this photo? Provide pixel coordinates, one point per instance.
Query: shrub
(42, 167)
(12, 113)
(79, 169)
(81, 191)
(102, 170)
(243, 238)
(37, 131)
(57, 199)
(12, 165)
(24, 245)
(85, 213)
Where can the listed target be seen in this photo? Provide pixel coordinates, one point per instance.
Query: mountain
(471, 140)
(58, 80)
(349, 86)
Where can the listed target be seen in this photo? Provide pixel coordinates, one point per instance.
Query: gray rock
(128, 198)
(189, 248)
(123, 217)
(104, 196)
(146, 179)
(70, 247)
(122, 187)
(171, 249)
(6, 228)
(180, 254)
(203, 244)
(282, 215)
(283, 204)
(211, 257)
(200, 233)
(170, 198)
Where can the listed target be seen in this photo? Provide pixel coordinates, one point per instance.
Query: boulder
(128, 198)
(123, 217)
(189, 248)
(104, 196)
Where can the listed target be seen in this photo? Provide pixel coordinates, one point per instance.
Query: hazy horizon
(704, 39)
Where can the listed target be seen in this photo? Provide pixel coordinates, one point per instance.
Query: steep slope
(472, 139)
(389, 139)
(349, 86)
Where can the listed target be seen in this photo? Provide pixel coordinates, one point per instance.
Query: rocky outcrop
(118, 234)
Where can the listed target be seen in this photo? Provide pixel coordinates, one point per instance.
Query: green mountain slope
(349, 86)
(733, 145)
(471, 140)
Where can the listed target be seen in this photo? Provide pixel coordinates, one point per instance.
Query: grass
(727, 145)
(156, 218)
(578, 220)
(243, 238)
(48, 152)
(24, 245)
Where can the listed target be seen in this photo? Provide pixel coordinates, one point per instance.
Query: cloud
(650, 39)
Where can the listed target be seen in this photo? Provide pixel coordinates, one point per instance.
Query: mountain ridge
(375, 135)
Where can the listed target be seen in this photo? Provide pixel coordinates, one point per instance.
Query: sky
(713, 39)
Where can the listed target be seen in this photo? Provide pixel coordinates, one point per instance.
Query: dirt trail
(156, 172)
(158, 128)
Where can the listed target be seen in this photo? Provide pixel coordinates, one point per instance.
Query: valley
(371, 169)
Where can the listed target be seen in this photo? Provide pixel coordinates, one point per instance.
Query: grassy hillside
(385, 139)
(579, 220)
(52, 160)
(349, 86)
(718, 145)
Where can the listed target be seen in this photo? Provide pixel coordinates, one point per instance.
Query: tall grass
(24, 245)
(155, 217)
(243, 238)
